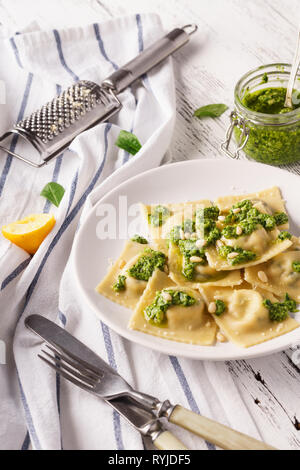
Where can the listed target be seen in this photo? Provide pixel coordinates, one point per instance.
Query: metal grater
(51, 129)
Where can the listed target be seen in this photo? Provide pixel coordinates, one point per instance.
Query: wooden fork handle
(214, 432)
(167, 441)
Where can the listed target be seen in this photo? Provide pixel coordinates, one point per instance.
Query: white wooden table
(235, 36)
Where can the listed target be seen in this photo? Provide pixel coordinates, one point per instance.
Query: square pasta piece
(264, 244)
(246, 320)
(190, 324)
(203, 275)
(130, 296)
(279, 275)
(175, 214)
(269, 201)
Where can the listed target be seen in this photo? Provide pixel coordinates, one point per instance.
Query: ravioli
(178, 213)
(134, 287)
(191, 324)
(261, 242)
(268, 201)
(203, 274)
(278, 274)
(246, 320)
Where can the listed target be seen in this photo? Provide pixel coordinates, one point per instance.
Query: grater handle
(149, 58)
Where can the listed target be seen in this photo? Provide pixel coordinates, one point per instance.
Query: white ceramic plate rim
(214, 353)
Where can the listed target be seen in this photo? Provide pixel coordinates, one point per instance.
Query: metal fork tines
(70, 369)
(87, 379)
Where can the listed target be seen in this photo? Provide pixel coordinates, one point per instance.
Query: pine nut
(239, 230)
(166, 296)
(212, 307)
(262, 276)
(221, 218)
(187, 235)
(196, 259)
(232, 255)
(236, 211)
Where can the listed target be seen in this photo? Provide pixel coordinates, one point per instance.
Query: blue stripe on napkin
(112, 363)
(187, 391)
(61, 56)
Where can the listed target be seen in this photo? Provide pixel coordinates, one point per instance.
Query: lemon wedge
(29, 233)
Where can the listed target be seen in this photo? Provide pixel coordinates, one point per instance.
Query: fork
(88, 378)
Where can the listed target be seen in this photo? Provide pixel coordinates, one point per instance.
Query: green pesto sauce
(274, 145)
(296, 266)
(139, 239)
(146, 264)
(267, 101)
(188, 249)
(284, 236)
(206, 224)
(158, 216)
(120, 285)
(156, 311)
(220, 307)
(243, 255)
(279, 311)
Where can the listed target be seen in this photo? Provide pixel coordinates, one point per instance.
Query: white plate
(178, 182)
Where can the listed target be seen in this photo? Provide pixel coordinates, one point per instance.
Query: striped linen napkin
(37, 409)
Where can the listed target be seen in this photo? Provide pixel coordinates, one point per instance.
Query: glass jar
(268, 138)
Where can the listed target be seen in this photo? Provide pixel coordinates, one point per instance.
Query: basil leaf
(211, 110)
(53, 192)
(128, 142)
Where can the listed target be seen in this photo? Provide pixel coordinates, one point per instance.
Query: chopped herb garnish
(284, 236)
(279, 311)
(158, 216)
(139, 239)
(265, 78)
(120, 284)
(146, 264)
(211, 110)
(128, 142)
(157, 309)
(53, 192)
(296, 266)
(220, 307)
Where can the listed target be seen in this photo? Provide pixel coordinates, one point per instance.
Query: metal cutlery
(294, 71)
(77, 363)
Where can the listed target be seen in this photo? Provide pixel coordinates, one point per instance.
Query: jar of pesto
(263, 128)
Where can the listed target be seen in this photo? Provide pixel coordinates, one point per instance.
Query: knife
(113, 389)
(119, 394)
